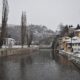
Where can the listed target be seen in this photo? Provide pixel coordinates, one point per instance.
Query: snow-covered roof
(10, 38)
(66, 38)
(78, 30)
(74, 40)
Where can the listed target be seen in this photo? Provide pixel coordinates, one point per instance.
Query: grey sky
(44, 12)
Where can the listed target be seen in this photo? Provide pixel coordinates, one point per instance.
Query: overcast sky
(44, 12)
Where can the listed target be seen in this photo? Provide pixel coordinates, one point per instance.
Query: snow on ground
(77, 55)
(72, 55)
(19, 46)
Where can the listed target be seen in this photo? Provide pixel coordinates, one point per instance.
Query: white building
(10, 42)
(75, 41)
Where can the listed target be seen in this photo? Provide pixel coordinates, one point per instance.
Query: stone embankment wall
(17, 51)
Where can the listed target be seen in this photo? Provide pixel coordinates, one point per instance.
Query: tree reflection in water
(37, 67)
(2, 70)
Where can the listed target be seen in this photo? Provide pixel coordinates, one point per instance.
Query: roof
(74, 40)
(10, 39)
(78, 30)
(66, 38)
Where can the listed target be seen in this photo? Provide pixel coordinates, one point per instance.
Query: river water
(40, 66)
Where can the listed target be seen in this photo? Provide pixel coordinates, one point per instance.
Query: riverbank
(17, 51)
(73, 58)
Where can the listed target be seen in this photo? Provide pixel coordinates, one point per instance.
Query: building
(75, 41)
(65, 40)
(69, 44)
(10, 42)
(77, 32)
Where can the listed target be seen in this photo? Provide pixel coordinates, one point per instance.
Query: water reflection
(22, 68)
(37, 67)
(2, 70)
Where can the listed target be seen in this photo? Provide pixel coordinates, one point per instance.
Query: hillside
(41, 34)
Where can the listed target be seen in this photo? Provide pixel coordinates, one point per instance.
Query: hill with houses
(41, 34)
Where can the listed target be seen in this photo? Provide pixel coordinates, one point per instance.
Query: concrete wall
(17, 51)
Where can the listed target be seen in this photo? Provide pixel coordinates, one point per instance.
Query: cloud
(44, 12)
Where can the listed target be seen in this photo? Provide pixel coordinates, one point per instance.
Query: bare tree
(23, 28)
(5, 10)
(29, 37)
(64, 30)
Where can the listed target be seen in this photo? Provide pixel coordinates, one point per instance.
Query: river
(40, 66)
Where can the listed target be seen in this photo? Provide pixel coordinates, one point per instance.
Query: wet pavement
(37, 67)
